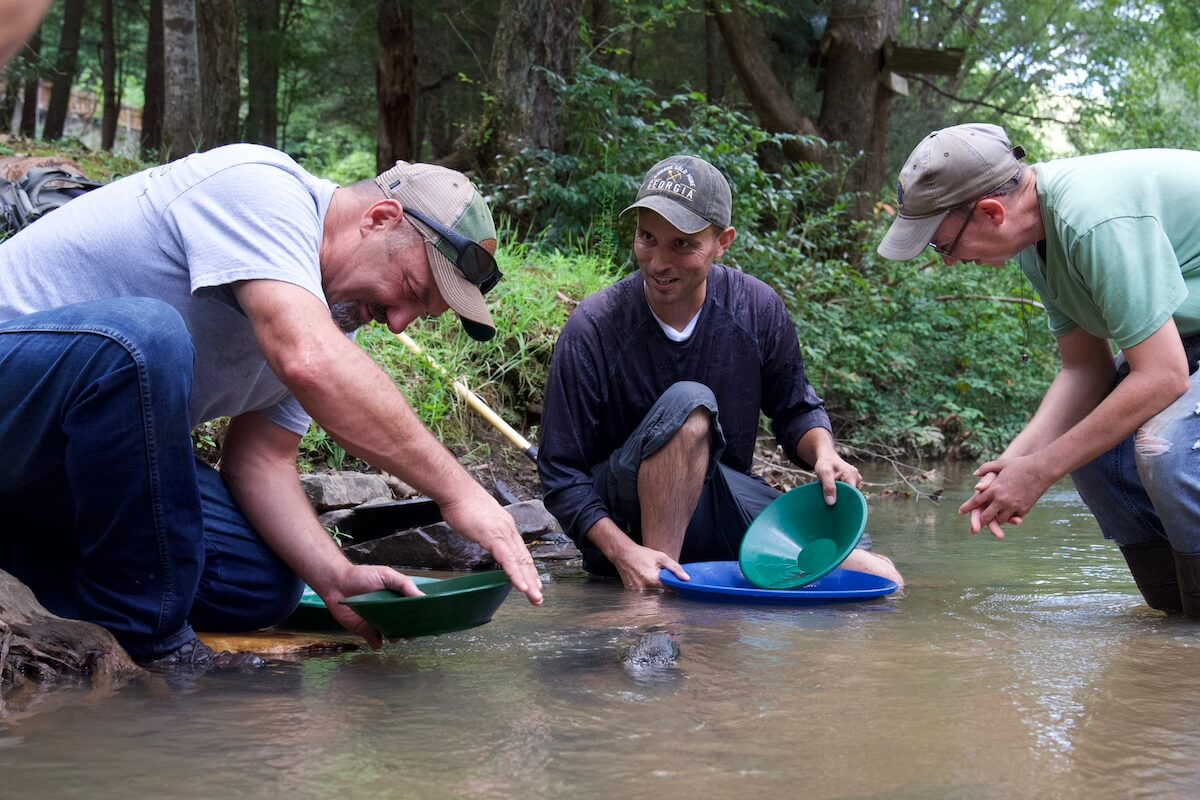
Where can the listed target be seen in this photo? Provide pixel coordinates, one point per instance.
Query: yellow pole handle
(473, 400)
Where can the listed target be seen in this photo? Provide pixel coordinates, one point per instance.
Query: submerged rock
(554, 546)
(654, 650)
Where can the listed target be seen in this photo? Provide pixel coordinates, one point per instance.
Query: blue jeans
(111, 518)
(1147, 488)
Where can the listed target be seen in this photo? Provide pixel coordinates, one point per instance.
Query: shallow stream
(1022, 668)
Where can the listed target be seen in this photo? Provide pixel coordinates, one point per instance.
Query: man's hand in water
(639, 566)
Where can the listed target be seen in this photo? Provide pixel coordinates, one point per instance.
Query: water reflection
(1021, 668)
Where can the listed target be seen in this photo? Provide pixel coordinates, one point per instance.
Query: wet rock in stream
(653, 651)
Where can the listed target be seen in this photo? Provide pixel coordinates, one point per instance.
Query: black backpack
(41, 190)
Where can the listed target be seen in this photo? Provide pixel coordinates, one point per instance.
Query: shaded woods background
(557, 106)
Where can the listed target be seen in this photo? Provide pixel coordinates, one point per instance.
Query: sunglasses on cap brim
(475, 263)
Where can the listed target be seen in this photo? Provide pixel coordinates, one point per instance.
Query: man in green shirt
(1111, 242)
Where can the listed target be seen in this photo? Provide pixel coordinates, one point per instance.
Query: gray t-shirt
(183, 233)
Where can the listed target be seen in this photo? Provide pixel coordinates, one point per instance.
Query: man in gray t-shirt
(223, 284)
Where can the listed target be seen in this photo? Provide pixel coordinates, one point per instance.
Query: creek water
(1020, 668)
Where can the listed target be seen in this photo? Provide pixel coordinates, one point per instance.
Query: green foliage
(207, 437)
(907, 361)
(1086, 76)
(1154, 98)
(96, 164)
(915, 358)
(337, 154)
(529, 307)
(619, 128)
(326, 86)
(340, 537)
(319, 450)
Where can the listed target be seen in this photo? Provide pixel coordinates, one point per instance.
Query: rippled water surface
(1022, 668)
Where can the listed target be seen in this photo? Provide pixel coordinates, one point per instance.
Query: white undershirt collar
(672, 334)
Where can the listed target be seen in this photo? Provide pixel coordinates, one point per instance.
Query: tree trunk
(36, 646)
(108, 76)
(533, 52)
(775, 109)
(631, 61)
(155, 92)
(262, 67)
(395, 83)
(714, 69)
(441, 136)
(856, 106)
(12, 88)
(29, 102)
(64, 70)
(217, 42)
(601, 22)
(181, 70)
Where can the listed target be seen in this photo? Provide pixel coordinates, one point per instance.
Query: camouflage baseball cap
(450, 199)
(948, 169)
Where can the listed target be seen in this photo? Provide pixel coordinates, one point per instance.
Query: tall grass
(530, 306)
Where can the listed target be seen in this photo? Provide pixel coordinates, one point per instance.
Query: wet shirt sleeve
(789, 400)
(570, 430)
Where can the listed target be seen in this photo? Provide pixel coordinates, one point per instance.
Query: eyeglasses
(948, 252)
(475, 263)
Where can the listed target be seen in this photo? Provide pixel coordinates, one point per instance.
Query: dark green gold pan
(451, 604)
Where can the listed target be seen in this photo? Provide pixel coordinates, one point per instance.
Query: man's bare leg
(670, 481)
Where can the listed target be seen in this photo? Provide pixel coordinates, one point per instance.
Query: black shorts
(728, 503)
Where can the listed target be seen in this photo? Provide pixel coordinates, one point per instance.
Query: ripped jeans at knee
(1148, 486)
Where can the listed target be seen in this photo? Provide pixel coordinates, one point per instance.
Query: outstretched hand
(482, 520)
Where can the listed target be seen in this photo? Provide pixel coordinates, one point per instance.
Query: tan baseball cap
(451, 200)
(948, 169)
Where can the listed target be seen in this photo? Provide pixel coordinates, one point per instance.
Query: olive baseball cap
(450, 199)
(948, 169)
(688, 192)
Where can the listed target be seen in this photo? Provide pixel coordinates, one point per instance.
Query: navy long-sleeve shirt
(613, 361)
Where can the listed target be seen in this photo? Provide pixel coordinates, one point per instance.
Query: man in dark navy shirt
(655, 390)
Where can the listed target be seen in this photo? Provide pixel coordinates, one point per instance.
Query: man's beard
(345, 315)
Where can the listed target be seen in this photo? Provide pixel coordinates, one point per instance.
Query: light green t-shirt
(1122, 243)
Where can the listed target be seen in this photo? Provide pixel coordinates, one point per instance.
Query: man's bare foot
(873, 564)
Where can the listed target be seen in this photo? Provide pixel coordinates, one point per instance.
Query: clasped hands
(1006, 491)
